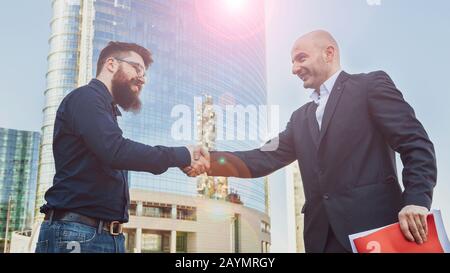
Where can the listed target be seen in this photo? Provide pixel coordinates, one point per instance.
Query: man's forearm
(136, 156)
(248, 164)
(229, 165)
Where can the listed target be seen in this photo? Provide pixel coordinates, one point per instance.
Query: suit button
(326, 196)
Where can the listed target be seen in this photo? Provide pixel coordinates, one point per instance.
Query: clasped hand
(200, 161)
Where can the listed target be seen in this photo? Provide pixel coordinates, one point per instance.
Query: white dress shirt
(321, 97)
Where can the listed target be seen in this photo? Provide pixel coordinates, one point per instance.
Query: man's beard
(123, 94)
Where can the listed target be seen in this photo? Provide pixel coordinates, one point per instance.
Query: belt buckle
(112, 229)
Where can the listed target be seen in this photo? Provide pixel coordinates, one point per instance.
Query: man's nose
(295, 69)
(142, 79)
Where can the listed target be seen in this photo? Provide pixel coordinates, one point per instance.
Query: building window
(133, 208)
(130, 240)
(186, 213)
(265, 227)
(155, 241)
(265, 247)
(151, 243)
(156, 210)
(182, 242)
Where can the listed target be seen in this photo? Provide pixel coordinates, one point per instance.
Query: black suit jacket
(348, 167)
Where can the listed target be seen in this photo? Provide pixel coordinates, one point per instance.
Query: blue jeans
(71, 237)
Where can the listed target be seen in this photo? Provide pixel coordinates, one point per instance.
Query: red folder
(390, 239)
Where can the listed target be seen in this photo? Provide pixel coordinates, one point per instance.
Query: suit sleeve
(272, 156)
(93, 121)
(406, 135)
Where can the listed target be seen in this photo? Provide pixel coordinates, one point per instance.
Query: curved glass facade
(191, 59)
(61, 78)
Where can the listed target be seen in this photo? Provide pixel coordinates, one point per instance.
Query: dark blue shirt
(92, 157)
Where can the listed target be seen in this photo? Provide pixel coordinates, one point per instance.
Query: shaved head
(315, 58)
(319, 39)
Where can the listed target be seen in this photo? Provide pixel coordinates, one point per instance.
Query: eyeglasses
(140, 70)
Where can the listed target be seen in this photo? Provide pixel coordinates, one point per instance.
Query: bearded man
(89, 199)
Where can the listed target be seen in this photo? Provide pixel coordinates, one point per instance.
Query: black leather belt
(114, 227)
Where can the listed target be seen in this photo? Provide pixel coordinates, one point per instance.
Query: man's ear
(330, 51)
(111, 65)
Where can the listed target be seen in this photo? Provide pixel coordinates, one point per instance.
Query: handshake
(200, 161)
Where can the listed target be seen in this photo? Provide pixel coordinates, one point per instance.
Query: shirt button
(326, 196)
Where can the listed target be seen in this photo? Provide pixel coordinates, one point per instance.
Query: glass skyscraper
(18, 176)
(198, 49)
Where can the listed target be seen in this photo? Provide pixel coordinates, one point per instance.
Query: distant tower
(299, 201)
(19, 151)
(266, 186)
(211, 187)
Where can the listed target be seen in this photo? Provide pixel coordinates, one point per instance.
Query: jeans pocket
(72, 236)
(42, 247)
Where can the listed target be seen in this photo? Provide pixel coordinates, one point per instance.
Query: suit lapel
(332, 102)
(313, 125)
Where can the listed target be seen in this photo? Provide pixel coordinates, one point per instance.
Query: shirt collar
(101, 88)
(325, 88)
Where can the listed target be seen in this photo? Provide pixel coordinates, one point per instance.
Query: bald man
(345, 141)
